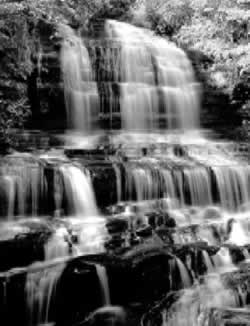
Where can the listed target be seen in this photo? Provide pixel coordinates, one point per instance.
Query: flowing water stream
(162, 162)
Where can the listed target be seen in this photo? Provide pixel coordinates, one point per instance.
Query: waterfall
(190, 309)
(222, 259)
(186, 193)
(81, 96)
(207, 261)
(41, 287)
(156, 80)
(196, 185)
(22, 188)
(104, 284)
(57, 246)
(237, 235)
(246, 253)
(233, 185)
(185, 278)
(9, 184)
(118, 182)
(79, 190)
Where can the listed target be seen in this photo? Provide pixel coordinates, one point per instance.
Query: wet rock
(148, 268)
(158, 218)
(117, 225)
(116, 242)
(238, 280)
(237, 254)
(90, 154)
(23, 243)
(179, 150)
(134, 239)
(165, 234)
(107, 316)
(169, 221)
(178, 216)
(152, 219)
(144, 232)
(104, 183)
(115, 209)
(211, 213)
(155, 315)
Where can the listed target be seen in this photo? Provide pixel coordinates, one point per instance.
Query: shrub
(12, 115)
(167, 17)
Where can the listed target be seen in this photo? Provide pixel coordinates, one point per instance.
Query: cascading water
(185, 278)
(192, 308)
(223, 260)
(79, 188)
(207, 261)
(104, 284)
(81, 96)
(156, 81)
(150, 82)
(41, 289)
(23, 187)
(86, 220)
(90, 230)
(195, 185)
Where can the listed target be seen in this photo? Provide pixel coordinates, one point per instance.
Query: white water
(79, 189)
(104, 284)
(191, 308)
(81, 96)
(207, 261)
(156, 83)
(41, 288)
(22, 185)
(86, 222)
(185, 278)
(237, 235)
(223, 260)
(57, 245)
(190, 186)
(156, 80)
(90, 231)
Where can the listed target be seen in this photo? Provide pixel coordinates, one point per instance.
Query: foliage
(77, 12)
(167, 17)
(219, 29)
(12, 115)
(15, 65)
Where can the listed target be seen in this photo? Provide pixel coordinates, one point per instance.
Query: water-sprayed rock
(107, 316)
(211, 213)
